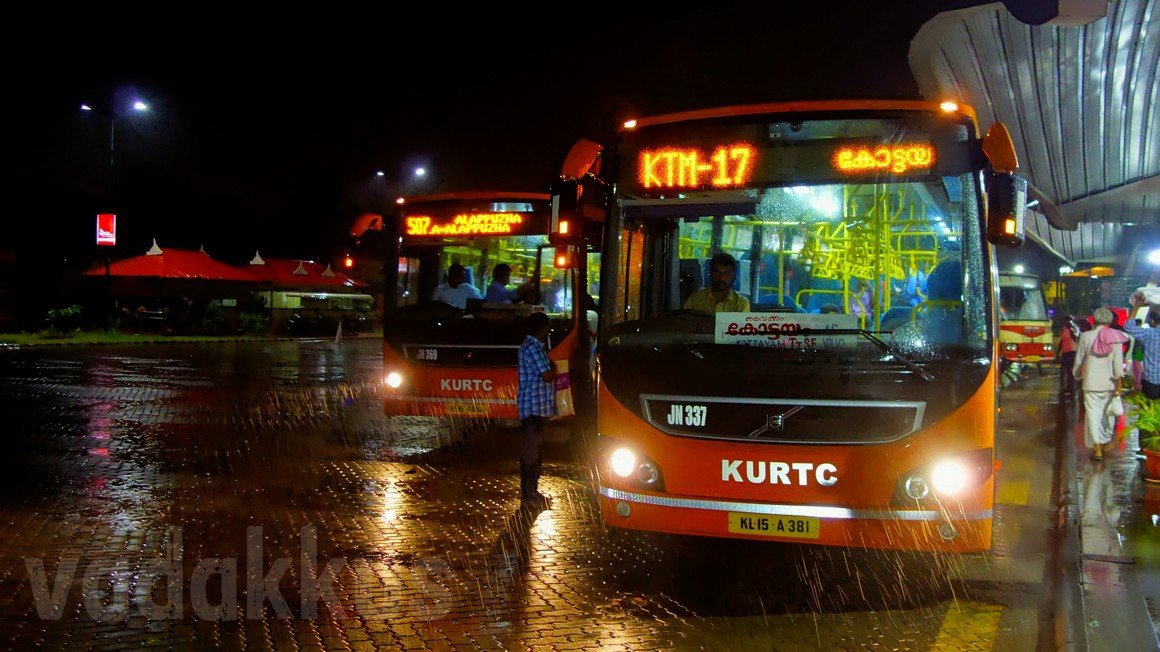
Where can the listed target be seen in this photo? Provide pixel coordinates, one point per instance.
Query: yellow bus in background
(1024, 324)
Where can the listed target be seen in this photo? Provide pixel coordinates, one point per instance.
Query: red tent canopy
(288, 273)
(175, 264)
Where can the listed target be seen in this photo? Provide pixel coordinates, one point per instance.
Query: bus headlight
(1010, 347)
(623, 462)
(916, 487)
(1047, 347)
(648, 473)
(627, 468)
(394, 380)
(948, 477)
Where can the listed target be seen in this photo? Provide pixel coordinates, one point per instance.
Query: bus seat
(795, 275)
(895, 317)
(690, 272)
(815, 300)
(771, 300)
(942, 312)
(689, 278)
(945, 282)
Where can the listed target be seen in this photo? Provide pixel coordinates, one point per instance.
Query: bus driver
(719, 296)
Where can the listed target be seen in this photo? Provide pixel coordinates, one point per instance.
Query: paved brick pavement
(228, 457)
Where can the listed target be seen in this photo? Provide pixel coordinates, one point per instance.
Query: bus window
(631, 267)
(408, 282)
(556, 287)
(1020, 303)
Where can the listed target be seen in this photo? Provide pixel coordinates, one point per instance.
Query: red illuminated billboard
(106, 229)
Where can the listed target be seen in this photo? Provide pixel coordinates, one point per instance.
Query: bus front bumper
(946, 529)
(451, 407)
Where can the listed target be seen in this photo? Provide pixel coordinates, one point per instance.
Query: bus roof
(794, 107)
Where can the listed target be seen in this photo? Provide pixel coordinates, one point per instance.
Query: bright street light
(1154, 257)
(406, 182)
(1018, 269)
(138, 106)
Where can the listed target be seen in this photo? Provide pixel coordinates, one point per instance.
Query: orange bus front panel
(444, 391)
(852, 492)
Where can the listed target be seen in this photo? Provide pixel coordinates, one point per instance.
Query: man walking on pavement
(1099, 365)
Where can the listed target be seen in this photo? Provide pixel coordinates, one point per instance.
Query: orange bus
(854, 402)
(457, 364)
(1024, 325)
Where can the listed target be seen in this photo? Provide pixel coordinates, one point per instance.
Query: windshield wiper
(885, 346)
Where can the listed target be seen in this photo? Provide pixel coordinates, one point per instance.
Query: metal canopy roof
(1080, 101)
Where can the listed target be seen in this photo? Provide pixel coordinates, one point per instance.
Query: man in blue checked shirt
(536, 400)
(1149, 338)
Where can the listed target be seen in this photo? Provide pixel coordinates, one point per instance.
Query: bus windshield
(470, 265)
(1021, 299)
(425, 283)
(821, 255)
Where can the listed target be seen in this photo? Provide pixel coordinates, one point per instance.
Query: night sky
(266, 132)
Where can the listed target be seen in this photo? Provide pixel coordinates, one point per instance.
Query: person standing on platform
(1147, 338)
(536, 401)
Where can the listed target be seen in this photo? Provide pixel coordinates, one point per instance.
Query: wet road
(188, 496)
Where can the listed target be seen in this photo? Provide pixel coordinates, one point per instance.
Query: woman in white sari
(1099, 362)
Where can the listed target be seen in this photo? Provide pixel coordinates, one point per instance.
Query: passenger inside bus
(455, 291)
(911, 290)
(860, 299)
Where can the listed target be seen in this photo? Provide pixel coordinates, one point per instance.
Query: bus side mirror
(565, 226)
(1006, 205)
(1000, 149)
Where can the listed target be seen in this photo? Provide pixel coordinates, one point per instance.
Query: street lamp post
(418, 175)
(138, 106)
